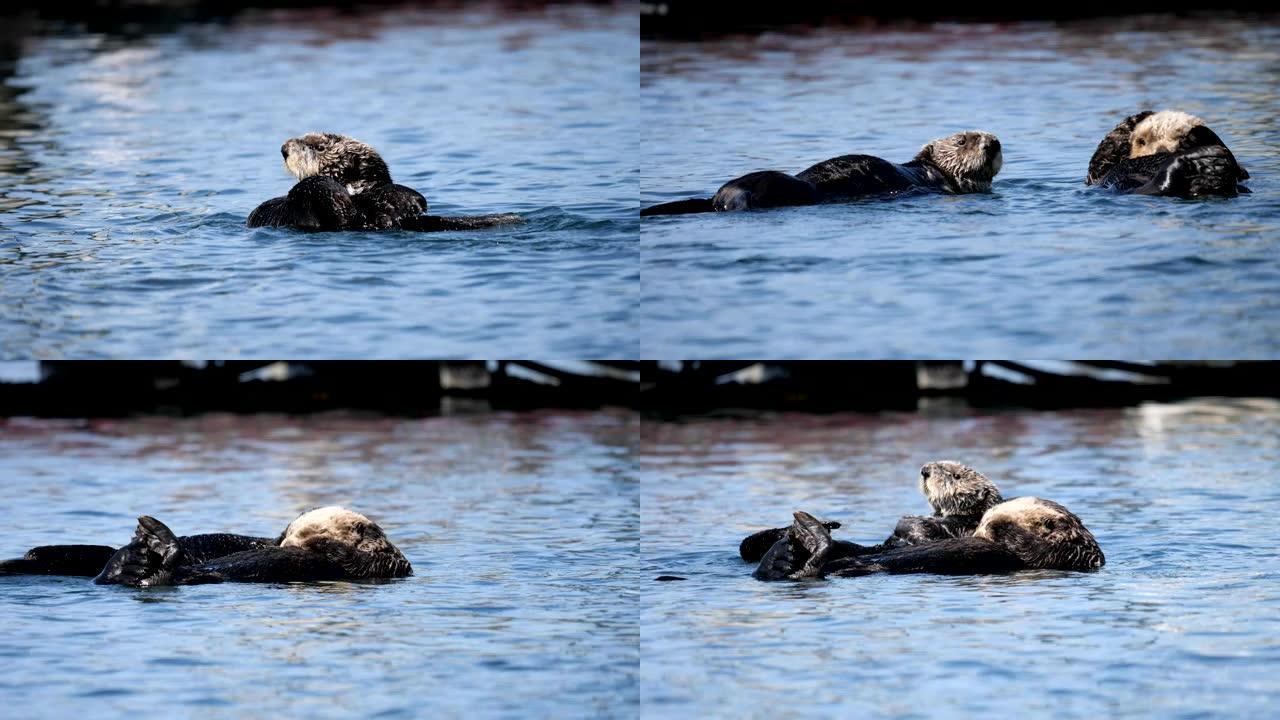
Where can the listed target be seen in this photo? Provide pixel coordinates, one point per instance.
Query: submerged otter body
(962, 163)
(343, 184)
(958, 494)
(1166, 153)
(1025, 533)
(330, 543)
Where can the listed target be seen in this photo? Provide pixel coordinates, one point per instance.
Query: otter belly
(850, 176)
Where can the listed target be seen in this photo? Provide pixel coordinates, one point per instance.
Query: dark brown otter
(1021, 534)
(343, 184)
(1167, 153)
(329, 543)
(958, 494)
(964, 162)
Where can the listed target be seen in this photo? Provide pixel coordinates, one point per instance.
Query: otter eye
(960, 141)
(1141, 142)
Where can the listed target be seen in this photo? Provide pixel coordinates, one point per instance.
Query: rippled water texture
(522, 531)
(1041, 262)
(1180, 622)
(130, 165)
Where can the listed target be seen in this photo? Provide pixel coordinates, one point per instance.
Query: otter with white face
(329, 543)
(964, 162)
(367, 553)
(1169, 153)
(1043, 534)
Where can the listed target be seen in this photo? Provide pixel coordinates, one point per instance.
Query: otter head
(970, 159)
(352, 163)
(1113, 148)
(1042, 533)
(1166, 131)
(953, 488)
(349, 538)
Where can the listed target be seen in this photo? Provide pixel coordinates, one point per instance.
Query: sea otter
(343, 184)
(1166, 153)
(330, 543)
(964, 162)
(1025, 533)
(958, 494)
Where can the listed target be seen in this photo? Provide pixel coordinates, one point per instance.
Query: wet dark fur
(1201, 166)
(157, 557)
(322, 203)
(93, 560)
(838, 179)
(807, 550)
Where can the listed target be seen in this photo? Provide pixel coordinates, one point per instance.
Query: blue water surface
(522, 530)
(132, 159)
(1181, 622)
(1042, 262)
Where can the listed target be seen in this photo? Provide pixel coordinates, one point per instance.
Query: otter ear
(926, 152)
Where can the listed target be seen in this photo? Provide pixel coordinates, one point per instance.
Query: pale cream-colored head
(354, 540)
(954, 488)
(1162, 131)
(1042, 533)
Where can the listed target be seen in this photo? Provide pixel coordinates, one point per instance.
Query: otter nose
(924, 471)
(284, 151)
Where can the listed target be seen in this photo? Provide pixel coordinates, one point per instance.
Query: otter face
(970, 158)
(349, 161)
(1113, 148)
(353, 540)
(1164, 131)
(1044, 534)
(953, 488)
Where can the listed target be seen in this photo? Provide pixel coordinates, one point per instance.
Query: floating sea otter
(973, 531)
(1165, 153)
(1025, 533)
(958, 494)
(343, 184)
(330, 543)
(961, 163)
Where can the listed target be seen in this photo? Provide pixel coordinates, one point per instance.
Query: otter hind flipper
(150, 559)
(441, 223)
(800, 553)
(72, 560)
(679, 207)
(754, 546)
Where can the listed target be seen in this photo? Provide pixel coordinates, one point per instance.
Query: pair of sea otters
(343, 184)
(1167, 153)
(973, 531)
(329, 543)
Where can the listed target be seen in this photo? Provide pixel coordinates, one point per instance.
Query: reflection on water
(134, 161)
(522, 530)
(1180, 622)
(1042, 261)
